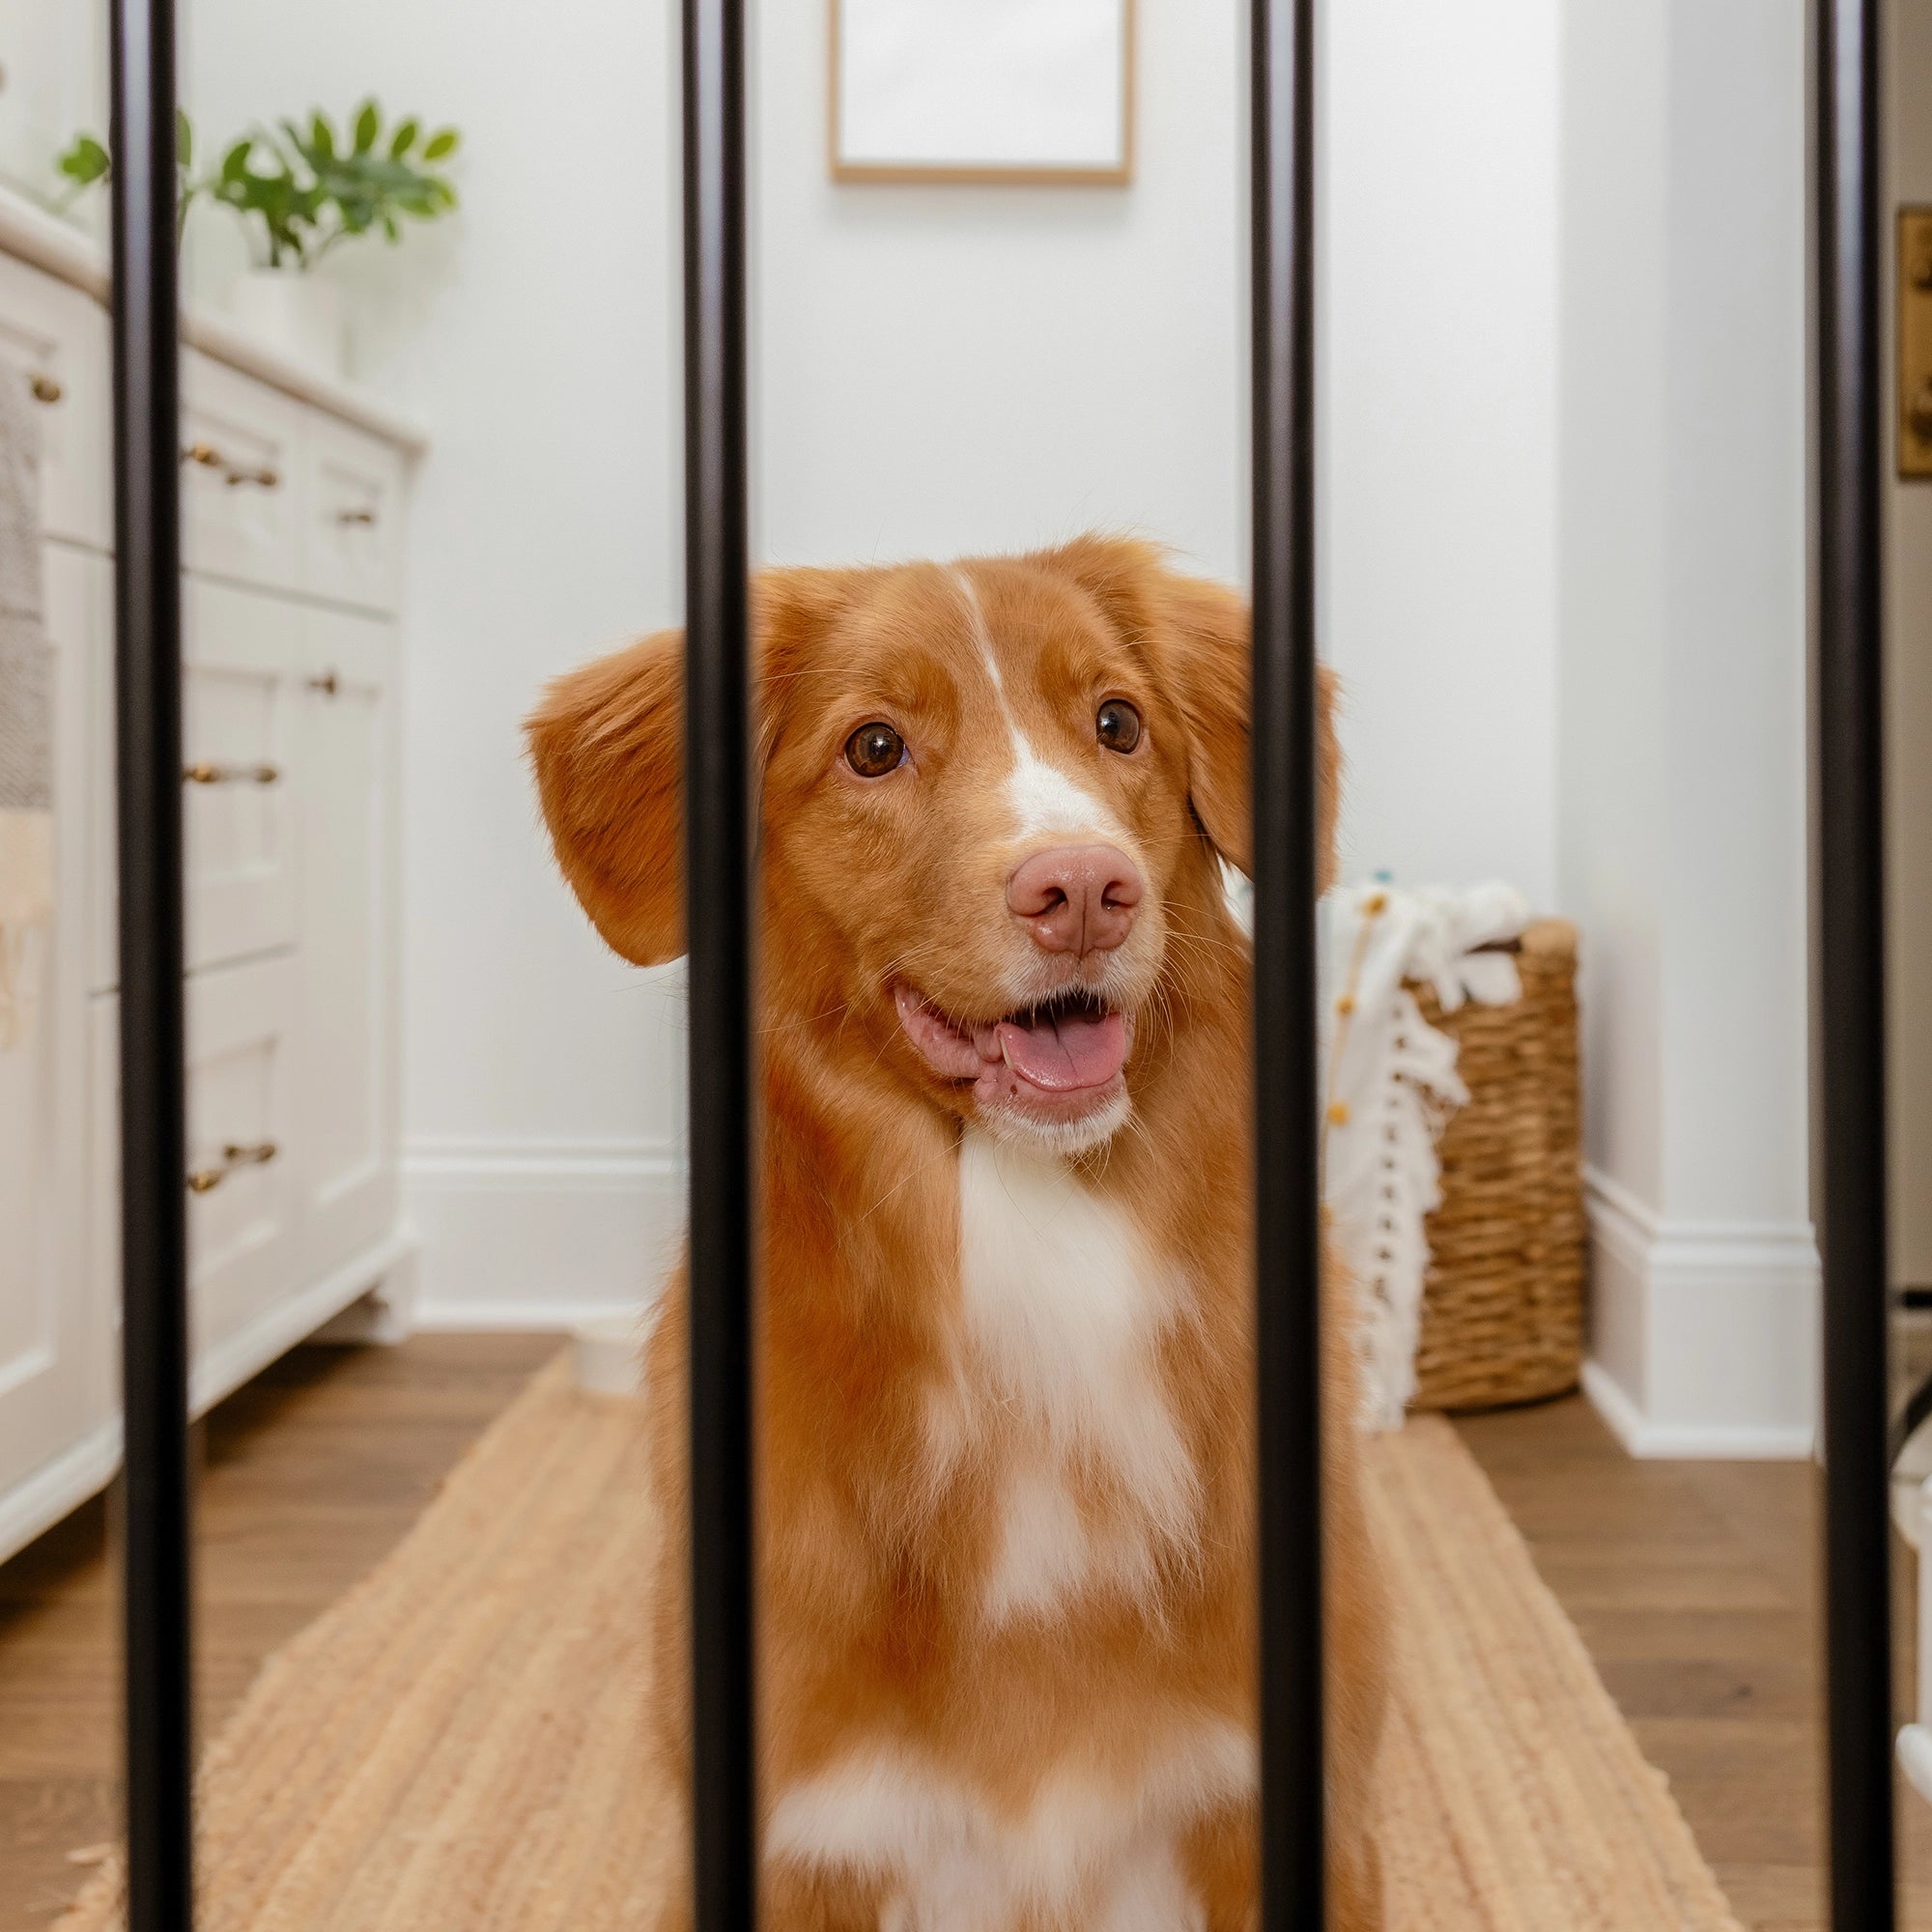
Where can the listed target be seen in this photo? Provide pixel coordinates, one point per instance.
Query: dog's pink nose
(1077, 899)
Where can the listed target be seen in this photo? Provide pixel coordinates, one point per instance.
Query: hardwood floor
(1693, 1585)
(310, 1475)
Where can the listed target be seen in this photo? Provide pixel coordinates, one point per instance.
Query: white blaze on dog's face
(979, 784)
(1051, 872)
(987, 795)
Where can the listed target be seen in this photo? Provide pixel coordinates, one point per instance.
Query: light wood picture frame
(982, 90)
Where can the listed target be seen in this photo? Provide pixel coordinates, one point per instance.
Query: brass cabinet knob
(357, 519)
(328, 684)
(233, 1154)
(46, 390)
(204, 773)
(205, 456)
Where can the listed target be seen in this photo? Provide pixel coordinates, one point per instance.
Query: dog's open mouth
(1059, 1059)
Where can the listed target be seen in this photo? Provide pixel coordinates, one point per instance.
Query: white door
(346, 954)
(56, 1339)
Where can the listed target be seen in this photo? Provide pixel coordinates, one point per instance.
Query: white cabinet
(55, 339)
(243, 1095)
(56, 1336)
(240, 808)
(348, 956)
(353, 507)
(242, 474)
(241, 801)
(291, 533)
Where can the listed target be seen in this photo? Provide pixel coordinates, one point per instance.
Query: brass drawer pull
(328, 684)
(46, 390)
(233, 474)
(230, 775)
(233, 1154)
(357, 519)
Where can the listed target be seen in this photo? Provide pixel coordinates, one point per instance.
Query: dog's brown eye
(874, 750)
(1119, 725)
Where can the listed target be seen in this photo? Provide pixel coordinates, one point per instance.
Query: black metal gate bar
(1849, 720)
(719, 930)
(156, 1583)
(1288, 1188)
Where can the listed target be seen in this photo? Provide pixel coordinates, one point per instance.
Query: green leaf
(86, 162)
(309, 186)
(183, 138)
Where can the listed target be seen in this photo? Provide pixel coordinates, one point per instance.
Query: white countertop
(33, 235)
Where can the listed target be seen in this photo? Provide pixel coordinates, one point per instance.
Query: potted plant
(303, 190)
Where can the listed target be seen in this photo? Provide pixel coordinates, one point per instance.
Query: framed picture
(983, 90)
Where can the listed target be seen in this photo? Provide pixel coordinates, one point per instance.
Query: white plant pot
(302, 314)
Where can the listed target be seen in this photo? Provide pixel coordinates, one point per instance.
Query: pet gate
(1847, 713)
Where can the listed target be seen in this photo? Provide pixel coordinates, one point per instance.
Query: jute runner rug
(454, 1747)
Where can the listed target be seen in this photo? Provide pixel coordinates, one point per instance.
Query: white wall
(1438, 431)
(542, 1091)
(54, 86)
(1681, 747)
(947, 369)
(937, 370)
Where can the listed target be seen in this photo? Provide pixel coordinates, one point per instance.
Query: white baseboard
(541, 1235)
(1685, 1441)
(485, 1317)
(92, 1463)
(225, 1367)
(1704, 1339)
(66, 1483)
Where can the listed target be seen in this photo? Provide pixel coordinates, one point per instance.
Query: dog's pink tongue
(1070, 1051)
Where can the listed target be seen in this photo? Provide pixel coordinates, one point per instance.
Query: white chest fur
(1101, 1853)
(1062, 1315)
(1056, 1388)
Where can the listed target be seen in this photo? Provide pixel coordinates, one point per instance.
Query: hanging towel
(1391, 1087)
(26, 706)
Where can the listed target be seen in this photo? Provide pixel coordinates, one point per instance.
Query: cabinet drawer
(54, 1345)
(353, 498)
(348, 957)
(242, 822)
(241, 1090)
(242, 476)
(55, 339)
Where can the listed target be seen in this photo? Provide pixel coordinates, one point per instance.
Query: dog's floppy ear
(608, 746)
(1196, 635)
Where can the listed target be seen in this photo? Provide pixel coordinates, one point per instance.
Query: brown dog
(1007, 1543)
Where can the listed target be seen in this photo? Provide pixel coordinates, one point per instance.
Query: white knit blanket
(1391, 1087)
(26, 708)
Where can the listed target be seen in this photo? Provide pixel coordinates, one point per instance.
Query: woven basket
(1502, 1316)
